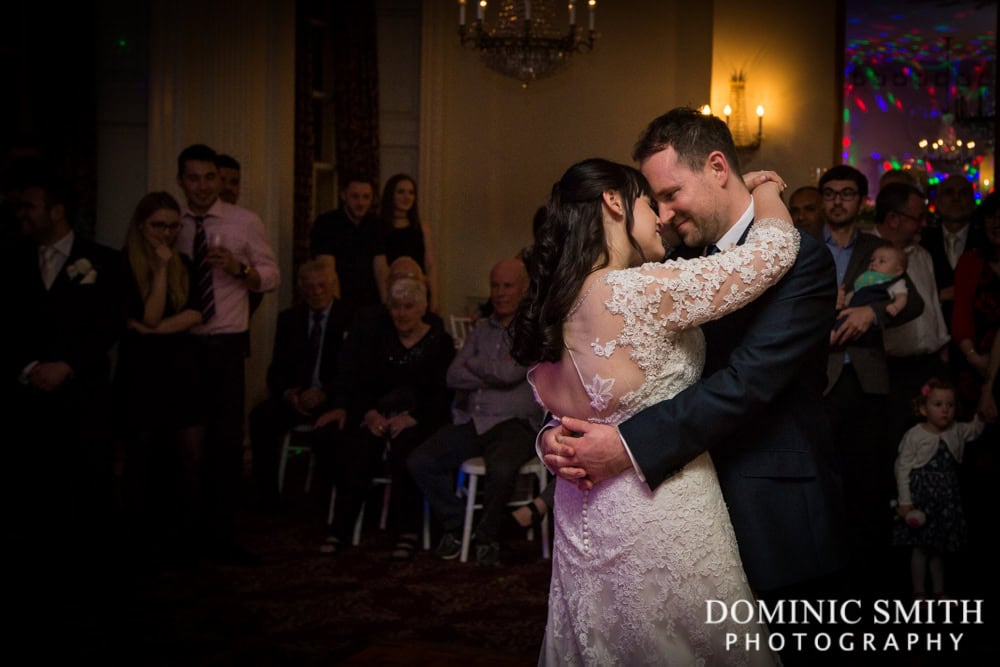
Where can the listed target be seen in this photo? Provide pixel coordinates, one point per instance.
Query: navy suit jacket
(289, 367)
(76, 321)
(758, 409)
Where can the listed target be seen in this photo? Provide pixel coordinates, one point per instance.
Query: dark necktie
(712, 249)
(315, 339)
(203, 269)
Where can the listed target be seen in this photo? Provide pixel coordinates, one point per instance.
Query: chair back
(460, 325)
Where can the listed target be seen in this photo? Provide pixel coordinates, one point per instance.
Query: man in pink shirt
(231, 258)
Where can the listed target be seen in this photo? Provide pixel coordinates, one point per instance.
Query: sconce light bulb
(922, 143)
(958, 143)
(706, 110)
(760, 110)
(971, 144)
(592, 3)
(728, 110)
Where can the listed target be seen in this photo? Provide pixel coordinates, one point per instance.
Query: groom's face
(690, 201)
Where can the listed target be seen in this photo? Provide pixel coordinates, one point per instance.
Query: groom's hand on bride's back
(585, 453)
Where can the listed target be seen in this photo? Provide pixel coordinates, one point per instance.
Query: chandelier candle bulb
(592, 4)
(728, 111)
(572, 14)
(760, 120)
(527, 10)
(479, 10)
(461, 12)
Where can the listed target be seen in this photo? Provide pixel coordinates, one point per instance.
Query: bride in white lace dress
(611, 335)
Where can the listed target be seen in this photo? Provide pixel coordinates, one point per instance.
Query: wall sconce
(736, 118)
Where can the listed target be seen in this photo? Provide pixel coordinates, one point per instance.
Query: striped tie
(203, 269)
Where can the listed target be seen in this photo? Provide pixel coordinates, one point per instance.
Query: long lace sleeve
(687, 293)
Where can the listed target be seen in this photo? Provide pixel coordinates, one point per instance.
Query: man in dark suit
(758, 406)
(66, 317)
(953, 234)
(858, 376)
(300, 378)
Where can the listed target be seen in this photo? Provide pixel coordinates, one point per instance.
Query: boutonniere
(82, 269)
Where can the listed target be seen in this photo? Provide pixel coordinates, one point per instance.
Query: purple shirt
(242, 232)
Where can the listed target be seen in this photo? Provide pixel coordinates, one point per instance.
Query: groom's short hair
(692, 134)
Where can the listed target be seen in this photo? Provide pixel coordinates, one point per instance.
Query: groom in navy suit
(758, 408)
(65, 318)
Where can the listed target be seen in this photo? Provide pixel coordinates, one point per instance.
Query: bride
(612, 332)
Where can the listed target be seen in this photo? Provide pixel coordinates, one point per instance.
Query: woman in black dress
(156, 377)
(398, 399)
(406, 235)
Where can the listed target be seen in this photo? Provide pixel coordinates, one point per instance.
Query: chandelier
(949, 152)
(525, 42)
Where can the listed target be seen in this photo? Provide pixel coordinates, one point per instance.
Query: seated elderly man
(300, 379)
(496, 417)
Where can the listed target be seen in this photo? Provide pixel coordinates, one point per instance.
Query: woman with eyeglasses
(156, 378)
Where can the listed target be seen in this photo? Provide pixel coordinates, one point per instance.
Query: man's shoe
(449, 547)
(488, 555)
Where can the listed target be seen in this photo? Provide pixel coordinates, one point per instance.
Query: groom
(758, 408)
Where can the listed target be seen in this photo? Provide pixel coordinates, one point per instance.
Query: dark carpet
(297, 607)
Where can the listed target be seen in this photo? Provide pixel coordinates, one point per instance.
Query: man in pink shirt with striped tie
(231, 257)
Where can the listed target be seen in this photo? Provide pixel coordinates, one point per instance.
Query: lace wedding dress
(633, 568)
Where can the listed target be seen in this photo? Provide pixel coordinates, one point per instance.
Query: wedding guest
(229, 178)
(806, 206)
(917, 349)
(883, 281)
(156, 382)
(353, 236)
(927, 480)
(976, 317)
(300, 378)
(858, 374)
(495, 417)
(952, 234)
(63, 318)
(398, 400)
(405, 232)
(231, 257)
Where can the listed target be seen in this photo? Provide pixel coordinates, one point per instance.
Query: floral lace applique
(604, 350)
(599, 391)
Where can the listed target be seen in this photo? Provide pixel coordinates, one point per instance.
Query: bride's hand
(755, 179)
(585, 453)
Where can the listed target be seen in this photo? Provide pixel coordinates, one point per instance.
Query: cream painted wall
(491, 150)
(223, 74)
(787, 48)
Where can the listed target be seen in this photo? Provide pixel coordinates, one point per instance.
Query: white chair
(385, 481)
(469, 473)
(459, 329)
(291, 448)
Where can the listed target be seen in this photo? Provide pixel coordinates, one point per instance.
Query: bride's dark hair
(569, 245)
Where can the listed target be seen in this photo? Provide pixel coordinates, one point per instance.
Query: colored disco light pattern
(928, 73)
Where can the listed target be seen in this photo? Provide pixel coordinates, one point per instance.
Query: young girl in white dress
(610, 333)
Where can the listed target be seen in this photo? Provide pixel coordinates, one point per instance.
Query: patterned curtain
(305, 139)
(347, 48)
(355, 88)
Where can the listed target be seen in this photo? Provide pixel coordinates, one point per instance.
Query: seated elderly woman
(397, 399)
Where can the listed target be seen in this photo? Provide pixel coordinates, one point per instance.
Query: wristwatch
(244, 271)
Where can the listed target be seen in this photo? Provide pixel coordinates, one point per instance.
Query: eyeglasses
(847, 194)
(161, 226)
